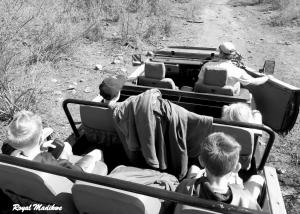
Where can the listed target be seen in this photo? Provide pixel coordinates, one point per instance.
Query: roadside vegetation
(287, 12)
(35, 35)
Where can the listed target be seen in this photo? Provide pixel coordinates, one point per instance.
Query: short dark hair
(220, 153)
(111, 86)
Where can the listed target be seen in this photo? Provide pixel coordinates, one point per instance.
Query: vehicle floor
(5, 204)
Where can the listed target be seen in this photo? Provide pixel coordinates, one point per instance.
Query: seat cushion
(164, 83)
(201, 88)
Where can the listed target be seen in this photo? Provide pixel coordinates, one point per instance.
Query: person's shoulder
(242, 197)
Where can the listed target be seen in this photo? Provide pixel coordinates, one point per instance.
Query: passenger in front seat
(235, 74)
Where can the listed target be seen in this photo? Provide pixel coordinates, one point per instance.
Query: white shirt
(234, 73)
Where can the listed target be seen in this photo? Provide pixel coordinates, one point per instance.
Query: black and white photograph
(149, 106)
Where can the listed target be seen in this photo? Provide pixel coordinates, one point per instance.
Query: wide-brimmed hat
(111, 86)
(24, 130)
(227, 48)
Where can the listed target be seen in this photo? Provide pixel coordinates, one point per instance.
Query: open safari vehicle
(27, 182)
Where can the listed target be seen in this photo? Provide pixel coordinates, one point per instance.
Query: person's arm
(247, 79)
(259, 80)
(47, 158)
(201, 75)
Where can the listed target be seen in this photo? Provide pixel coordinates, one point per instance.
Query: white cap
(227, 48)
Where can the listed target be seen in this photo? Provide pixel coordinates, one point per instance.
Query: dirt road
(249, 29)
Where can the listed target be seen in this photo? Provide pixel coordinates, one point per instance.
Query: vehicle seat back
(98, 125)
(214, 82)
(245, 137)
(93, 199)
(155, 76)
(27, 186)
(186, 209)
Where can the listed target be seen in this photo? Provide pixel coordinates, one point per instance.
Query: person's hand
(45, 145)
(67, 152)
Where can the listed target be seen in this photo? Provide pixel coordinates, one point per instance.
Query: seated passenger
(219, 182)
(241, 112)
(235, 74)
(24, 134)
(110, 89)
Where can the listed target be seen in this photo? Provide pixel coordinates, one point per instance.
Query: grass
(38, 32)
(289, 13)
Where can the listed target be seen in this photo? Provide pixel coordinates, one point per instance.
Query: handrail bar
(128, 186)
(215, 120)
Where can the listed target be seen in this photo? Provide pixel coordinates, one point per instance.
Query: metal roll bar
(215, 120)
(128, 186)
(134, 187)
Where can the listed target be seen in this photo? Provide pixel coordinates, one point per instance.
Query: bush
(31, 32)
(150, 21)
(16, 95)
(191, 9)
(34, 32)
(289, 11)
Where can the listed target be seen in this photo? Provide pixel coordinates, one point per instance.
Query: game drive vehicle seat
(103, 125)
(243, 133)
(215, 82)
(93, 199)
(98, 133)
(154, 76)
(26, 186)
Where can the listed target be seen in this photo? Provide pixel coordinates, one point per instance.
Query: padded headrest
(38, 186)
(93, 199)
(215, 76)
(155, 70)
(103, 121)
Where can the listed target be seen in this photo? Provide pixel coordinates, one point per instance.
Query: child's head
(220, 154)
(111, 86)
(238, 112)
(25, 130)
